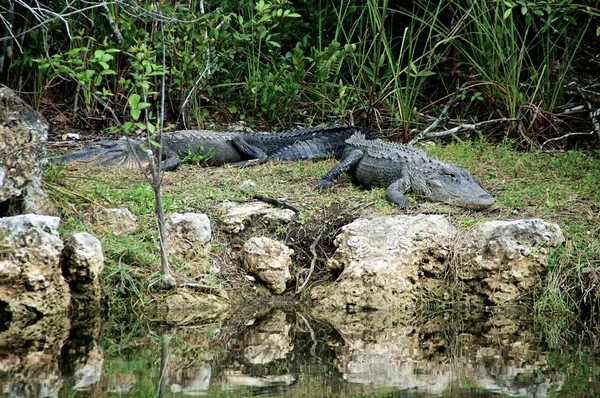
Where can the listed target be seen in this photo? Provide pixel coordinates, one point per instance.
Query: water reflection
(287, 352)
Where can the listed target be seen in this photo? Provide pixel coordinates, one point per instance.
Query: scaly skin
(226, 147)
(404, 168)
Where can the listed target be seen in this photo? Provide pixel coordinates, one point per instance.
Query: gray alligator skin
(404, 168)
(241, 149)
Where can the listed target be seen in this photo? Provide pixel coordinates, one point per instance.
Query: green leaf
(524, 10)
(133, 100)
(507, 13)
(135, 113)
(153, 142)
(143, 105)
(233, 109)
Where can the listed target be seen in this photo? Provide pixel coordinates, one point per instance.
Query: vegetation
(518, 73)
(396, 66)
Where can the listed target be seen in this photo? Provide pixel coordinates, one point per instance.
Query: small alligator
(241, 149)
(404, 168)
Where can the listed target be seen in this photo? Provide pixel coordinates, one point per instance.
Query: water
(287, 352)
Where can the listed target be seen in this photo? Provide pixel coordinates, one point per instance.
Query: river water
(289, 352)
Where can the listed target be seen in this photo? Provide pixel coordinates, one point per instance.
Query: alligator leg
(258, 155)
(395, 193)
(351, 159)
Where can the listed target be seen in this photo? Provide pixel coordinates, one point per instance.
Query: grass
(560, 188)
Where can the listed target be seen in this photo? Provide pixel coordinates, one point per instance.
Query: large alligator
(241, 149)
(404, 168)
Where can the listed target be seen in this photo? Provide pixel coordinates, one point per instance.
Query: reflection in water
(280, 352)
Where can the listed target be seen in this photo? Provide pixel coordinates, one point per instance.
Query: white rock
(187, 232)
(118, 220)
(502, 259)
(234, 216)
(83, 260)
(269, 260)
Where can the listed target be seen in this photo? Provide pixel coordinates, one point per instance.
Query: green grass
(558, 188)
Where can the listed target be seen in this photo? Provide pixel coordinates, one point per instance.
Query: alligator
(403, 168)
(240, 149)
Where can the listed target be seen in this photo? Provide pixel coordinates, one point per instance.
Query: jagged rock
(118, 220)
(503, 259)
(23, 135)
(235, 217)
(269, 339)
(186, 233)
(82, 263)
(31, 281)
(269, 260)
(386, 261)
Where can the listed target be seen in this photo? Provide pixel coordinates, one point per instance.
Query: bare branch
(313, 261)
(461, 127)
(564, 136)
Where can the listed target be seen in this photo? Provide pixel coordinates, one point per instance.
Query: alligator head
(449, 184)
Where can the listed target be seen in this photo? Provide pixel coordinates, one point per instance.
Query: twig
(435, 123)
(276, 202)
(564, 136)
(593, 114)
(465, 126)
(313, 261)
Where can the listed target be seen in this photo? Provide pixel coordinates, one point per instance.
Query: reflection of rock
(433, 355)
(31, 282)
(268, 340)
(187, 232)
(234, 216)
(82, 263)
(30, 358)
(23, 135)
(195, 385)
(82, 358)
(182, 307)
(235, 379)
(270, 261)
(384, 260)
(503, 259)
(89, 370)
(118, 220)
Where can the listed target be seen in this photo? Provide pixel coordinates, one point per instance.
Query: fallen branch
(565, 136)
(594, 115)
(454, 130)
(313, 261)
(276, 202)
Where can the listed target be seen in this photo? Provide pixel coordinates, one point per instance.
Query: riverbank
(560, 188)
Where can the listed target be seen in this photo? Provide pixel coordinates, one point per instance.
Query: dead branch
(276, 202)
(313, 261)
(461, 127)
(564, 136)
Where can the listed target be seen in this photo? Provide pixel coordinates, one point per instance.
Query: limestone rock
(235, 217)
(386, 261)
(503, 259)
(82, 263)
(118, 220)
(269, 260)
(23, 135)
(187, 232)
(31, 281)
